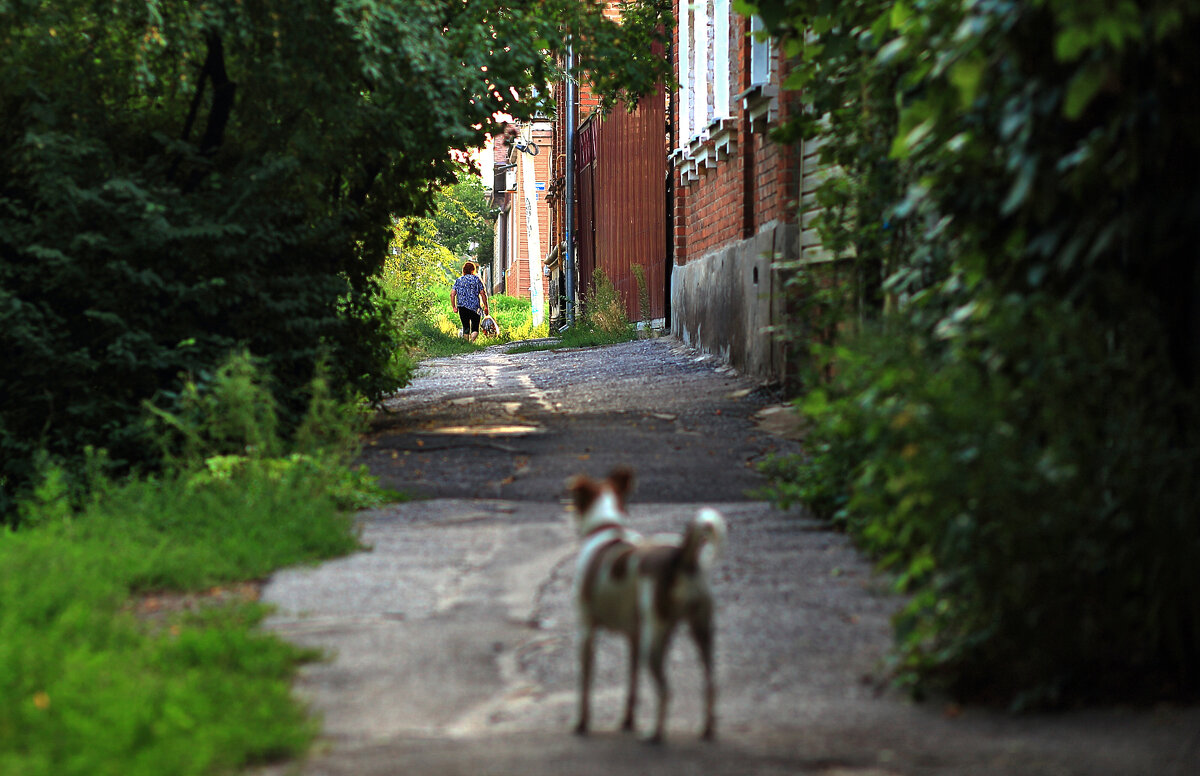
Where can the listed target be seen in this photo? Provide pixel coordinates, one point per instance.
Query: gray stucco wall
(724, 302)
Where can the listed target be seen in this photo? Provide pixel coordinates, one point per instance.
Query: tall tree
(463, 218)
(180, 178)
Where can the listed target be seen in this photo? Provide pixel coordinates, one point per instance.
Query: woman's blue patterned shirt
(466, 292)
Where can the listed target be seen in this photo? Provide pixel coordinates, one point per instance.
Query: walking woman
(468, 297)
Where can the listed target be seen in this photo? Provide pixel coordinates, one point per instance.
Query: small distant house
(521, 174)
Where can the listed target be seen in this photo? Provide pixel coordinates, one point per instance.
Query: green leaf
(1071, 43)
(1021, 187)
(891, 51)
(906, 141)
(966, 75)
(1083, 88)
(815, 403)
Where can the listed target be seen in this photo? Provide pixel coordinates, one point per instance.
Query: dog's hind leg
(702, 634)
(587, 643)
(655, 640)
(635, 654)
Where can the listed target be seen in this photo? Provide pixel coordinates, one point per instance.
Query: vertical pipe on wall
(671, 104)
(569, 185)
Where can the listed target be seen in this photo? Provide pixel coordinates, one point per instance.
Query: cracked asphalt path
(451, 639)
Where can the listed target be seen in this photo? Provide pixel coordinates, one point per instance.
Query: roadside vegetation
(602, 321)
(196, 217)
(127, 633)
(184, 180)
(1002, 392)
(425, 256)
(439, 331)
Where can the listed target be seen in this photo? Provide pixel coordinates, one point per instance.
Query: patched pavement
(451, 639)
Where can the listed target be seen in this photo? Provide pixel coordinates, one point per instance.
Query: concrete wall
(724, 302)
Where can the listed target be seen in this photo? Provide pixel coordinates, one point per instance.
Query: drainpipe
(569, 186)
(672, 106)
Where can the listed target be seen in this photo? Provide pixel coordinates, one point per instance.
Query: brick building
(737, 195)
(691, 188)
(523, 221)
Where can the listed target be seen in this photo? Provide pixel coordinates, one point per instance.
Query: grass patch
(89, 688)
(439, 330)
(578, 337)
(90, 685)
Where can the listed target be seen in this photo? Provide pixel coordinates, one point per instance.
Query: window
(685, 72)
(720, 60)
(701, 33)
(704, 66)
(760, 54)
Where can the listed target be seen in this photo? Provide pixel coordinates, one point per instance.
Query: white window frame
(685, 72)
(721, 87)
(760, 54)
(701, 26)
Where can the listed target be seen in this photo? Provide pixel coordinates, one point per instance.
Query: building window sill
(701, 151)
(761, 103)
(685, 166)
(723, 135)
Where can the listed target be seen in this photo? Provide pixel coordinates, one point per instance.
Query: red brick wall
(711, 212)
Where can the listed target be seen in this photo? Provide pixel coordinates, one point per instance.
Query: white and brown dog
(641, 589)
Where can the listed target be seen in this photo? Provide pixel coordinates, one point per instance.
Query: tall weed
(603, 309)
(603, 321)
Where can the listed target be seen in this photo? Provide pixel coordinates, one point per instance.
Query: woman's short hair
(469, 268)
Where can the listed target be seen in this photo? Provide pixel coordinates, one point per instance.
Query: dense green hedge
(1015, 427)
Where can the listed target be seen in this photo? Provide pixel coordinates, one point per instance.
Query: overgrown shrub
(226, 429)
(643, 289)
(185, 179)
(1004, 182)
(1027, 501)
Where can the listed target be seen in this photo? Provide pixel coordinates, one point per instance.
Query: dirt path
(452, 638)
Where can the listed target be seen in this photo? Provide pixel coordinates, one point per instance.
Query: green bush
(1025, 500)
(1002, 195)
(185, 179)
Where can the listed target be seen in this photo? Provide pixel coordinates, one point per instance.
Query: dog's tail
(704, 538)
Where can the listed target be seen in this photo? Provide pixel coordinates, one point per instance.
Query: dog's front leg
(587, 643)
(635, 650)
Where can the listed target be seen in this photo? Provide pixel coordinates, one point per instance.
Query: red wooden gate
(621, 167)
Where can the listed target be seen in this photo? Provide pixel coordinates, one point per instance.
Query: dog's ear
(583, 492)
(621, 480)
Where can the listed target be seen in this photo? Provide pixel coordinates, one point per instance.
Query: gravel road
(451, 639)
